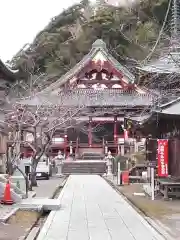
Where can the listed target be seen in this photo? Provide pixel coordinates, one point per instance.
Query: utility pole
(175, 25)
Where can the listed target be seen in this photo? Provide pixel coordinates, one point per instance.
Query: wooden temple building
(105, 92)
(162, 123)
(7, 78)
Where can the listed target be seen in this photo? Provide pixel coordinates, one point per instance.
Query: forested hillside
(128, 32)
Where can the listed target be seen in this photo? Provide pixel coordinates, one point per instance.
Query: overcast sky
(20, 22)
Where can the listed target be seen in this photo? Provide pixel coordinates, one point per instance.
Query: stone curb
(43, 231)
(153, 222)
(35, 231)
(7, 216)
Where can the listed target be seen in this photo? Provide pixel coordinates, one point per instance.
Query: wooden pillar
(119, 150)
(115, 130)
(77, 148)
(90, 132)
(106, 148)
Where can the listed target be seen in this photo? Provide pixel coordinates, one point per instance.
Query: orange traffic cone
(7, 195)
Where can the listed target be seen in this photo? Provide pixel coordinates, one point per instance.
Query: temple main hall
(103, 92)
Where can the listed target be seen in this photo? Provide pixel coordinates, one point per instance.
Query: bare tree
(40, 122)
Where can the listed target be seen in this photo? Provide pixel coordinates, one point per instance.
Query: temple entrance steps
(84, 167)
(93, 149)
(92, 156)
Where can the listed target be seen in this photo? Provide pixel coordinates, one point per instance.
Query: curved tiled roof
(94, 98)
(11, 74)
(165, 64)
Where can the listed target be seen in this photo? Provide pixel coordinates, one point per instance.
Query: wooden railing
(81, 144)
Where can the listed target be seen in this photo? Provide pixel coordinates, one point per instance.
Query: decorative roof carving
(99, 43)
(98, 49)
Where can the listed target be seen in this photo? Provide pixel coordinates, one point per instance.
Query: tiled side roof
(173, 109)
(7, 71)
(165, 64)
(170, 108)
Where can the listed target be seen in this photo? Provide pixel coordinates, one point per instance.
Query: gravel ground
(19, 226)
(166, 213)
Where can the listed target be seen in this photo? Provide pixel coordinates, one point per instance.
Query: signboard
(120, 140)
(162, 157)
(58, 140)
(152, 164)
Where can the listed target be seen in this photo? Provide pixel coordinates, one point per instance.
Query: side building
(7, 78)
(162, 123)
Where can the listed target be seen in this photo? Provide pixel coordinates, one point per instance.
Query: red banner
(162, 157)
(125, 177)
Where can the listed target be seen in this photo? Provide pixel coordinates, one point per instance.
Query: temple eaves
(92, 98)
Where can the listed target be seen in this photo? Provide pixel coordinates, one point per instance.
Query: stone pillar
(65, 145)
(122, 150)
(119, 151)
(71, 149)
(115, 130)
(109, 164)
(90, 132)
(136, 144)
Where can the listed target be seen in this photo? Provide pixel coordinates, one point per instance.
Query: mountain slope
(128, 33)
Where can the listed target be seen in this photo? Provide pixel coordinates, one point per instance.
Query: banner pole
(152, 183)
(119, 174)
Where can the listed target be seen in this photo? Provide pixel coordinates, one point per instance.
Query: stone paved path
(92, 210)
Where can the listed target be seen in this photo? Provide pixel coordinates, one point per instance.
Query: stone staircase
(84, 167)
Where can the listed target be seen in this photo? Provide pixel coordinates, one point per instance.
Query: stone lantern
(109, 162)
(59, 162)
